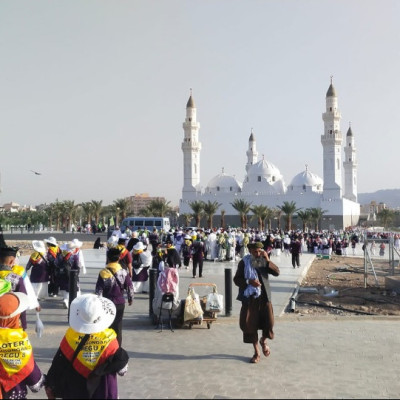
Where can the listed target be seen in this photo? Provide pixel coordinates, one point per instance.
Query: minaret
(191, 148)
(350, 167)
(252, 153)
(332, 146)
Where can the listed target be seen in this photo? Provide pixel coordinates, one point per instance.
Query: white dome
(264, 177)
(223, 183)
(307, 179)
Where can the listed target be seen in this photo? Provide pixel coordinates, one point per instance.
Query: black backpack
(64, 266)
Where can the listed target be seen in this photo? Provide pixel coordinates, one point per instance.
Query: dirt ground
(336, 286)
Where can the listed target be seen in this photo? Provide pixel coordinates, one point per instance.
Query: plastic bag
(193, 308)
(215, 302)
(39, 327)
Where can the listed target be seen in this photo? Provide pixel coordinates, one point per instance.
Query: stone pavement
(311, 357)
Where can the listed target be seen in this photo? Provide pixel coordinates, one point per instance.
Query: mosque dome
(223, 183)
(264, 177)
(307, 180)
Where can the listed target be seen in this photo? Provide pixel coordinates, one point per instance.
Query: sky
(93, 93)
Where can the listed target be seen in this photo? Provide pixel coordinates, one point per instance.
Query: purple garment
(39, 271)
(113, 290)
(34, 381)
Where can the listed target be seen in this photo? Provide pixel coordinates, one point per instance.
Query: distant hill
(391, 197)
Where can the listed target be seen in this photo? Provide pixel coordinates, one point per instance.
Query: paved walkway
(311, 357)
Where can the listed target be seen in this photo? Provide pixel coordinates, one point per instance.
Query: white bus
(139, 223)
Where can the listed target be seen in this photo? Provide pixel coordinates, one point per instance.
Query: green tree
(260, 213)
(385, 216)
(87, 208)
(121, 207)
(316, 215)
(289, 208)
(187, 218)
(97, 207)
(243, 208)
(198, 211)
(159, 208)
(306, 217)
(69, 211)
(209, 209)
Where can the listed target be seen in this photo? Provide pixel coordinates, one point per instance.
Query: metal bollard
(228, 292)
(73, 287)
(152, 288)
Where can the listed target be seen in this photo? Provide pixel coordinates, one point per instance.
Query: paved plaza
(311, 357)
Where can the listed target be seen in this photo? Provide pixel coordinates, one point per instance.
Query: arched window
(259, 179)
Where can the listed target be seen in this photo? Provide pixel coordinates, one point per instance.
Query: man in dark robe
(254, 291)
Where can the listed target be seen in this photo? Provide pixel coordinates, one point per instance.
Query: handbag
(215, 302)
(193, 308)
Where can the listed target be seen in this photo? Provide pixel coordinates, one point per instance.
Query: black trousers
(197, 262)
(117, 324)
(296, 260)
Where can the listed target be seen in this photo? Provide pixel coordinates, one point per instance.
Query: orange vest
(96, 350)
(16, 358)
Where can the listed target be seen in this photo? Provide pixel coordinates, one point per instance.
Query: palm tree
(97, 207)
(306, 217)
(87, 211)
(223, 218)
(260, 213)
(316, 215)
(198, 210)
(209, 209)
(243, 208)
(121, 207)
(159, 208)
(187, 218)
(289, 208)
(56, 212)
(70, 209)
(385, 216)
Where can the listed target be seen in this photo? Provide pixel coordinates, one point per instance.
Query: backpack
(64, 266)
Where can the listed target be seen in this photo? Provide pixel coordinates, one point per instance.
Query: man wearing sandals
(255, 294)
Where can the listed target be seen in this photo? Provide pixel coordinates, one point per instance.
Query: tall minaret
(252, 153)
(191, 148)
(350, 167)
(332, 146)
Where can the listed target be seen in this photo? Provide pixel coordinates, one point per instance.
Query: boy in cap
(112, 282)
(89, 357)
(18, 369)
(18, 278)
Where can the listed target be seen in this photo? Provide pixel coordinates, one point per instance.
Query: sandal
(255, 359)
(265, 349)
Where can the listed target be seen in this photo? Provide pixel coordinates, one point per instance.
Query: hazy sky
(93, 93)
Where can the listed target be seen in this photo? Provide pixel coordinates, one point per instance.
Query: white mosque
(263, 184)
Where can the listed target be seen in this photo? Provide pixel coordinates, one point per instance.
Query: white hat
(90, 313)
(39, 246)
(64, 247)
(138, 246)
(78, 244)
(113, 240)
(51, 240)
(23, 304)
(71, 245)
(123, 236)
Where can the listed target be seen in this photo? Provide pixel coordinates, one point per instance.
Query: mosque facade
(263, 184)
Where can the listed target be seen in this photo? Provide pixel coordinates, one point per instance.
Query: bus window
(139, 222)
(157, 223)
